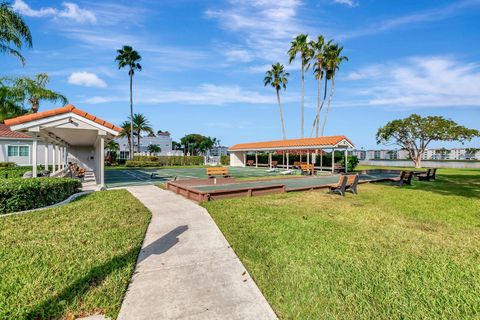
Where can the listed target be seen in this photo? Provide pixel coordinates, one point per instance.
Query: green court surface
(128, 177)
(139, 176)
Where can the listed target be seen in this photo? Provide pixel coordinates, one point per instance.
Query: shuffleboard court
(140, 176)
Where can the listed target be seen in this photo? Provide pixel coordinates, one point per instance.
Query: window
(18, 151)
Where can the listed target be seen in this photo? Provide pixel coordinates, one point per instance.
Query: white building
(163, 140)
(429, 154)
(57, 137)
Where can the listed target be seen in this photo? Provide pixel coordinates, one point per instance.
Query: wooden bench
(250, 163)
(274, 164)
(217, 171)
(307, 168)
(337, 167)
(345, 183)
(429, 175)
(404, 178)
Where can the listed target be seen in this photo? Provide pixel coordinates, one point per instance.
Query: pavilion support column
(245, 159)
(270, 160)
(60, 158)
(256, 159)
(321, 159)
(34, 155)
(102, 162)
(288, 165)
(46, 155)
(57, 151)
(346, 161)
(333, 160)
(54, 158)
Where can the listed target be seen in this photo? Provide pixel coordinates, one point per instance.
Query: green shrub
(24, 194)
(153, 161)
(7, 164)
(352, 163)
(225, 160)
(17, 172)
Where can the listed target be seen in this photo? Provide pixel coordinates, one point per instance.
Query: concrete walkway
(186, 268)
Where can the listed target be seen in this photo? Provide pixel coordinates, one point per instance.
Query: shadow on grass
(54, 307)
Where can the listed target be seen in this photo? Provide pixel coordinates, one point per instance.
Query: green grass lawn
(70, 261)
(387, 253)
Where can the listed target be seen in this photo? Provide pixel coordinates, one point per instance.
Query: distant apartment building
(163, 140)
(218, 151)
(429, 154)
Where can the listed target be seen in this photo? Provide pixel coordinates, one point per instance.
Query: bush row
(25, 194)
(166, 161)
(17, 172)
(7, 164)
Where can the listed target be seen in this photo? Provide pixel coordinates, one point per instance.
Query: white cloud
(266, 26)
(70, 11)
(206, 94)
(349, 3)
(86, 79)
(240, 55)
(421, 82)
(410, 19)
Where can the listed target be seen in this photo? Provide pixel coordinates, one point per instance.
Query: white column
(66, 157)
(270, 160)
(346, 160)
(46, 155)
(34, 156)
(58, 158)
(321, 159)
(102, 162)
(54, 161)
(288, 166)
(333, 160)
(245, 159)
(256, 159)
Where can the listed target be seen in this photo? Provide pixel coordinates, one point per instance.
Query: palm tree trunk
(35, 105)
(329, 102)
(303, 95)
(323, 102)
(318, 109)
(281, 116)
(131, 113)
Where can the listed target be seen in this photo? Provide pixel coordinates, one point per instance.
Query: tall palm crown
(141, 124)
(126, 127)
(333, 59)
(127, 57)
(35, 90)
(14, 32)
(278, 79)
(299, 45)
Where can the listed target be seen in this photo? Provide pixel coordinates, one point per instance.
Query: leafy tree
(14, 32)
(414, 133)
(32, 91)
(141, 124)
(112, 151)
(126, 127)
(176, 145)
(196, 143)
(300, 46)
(278, 79)
(154, 148)
(333, 59)
(127, 57)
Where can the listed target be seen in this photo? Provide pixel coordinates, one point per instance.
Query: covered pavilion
(73, 136)
(311, 147)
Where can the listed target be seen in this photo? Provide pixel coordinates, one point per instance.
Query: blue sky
(204, 62)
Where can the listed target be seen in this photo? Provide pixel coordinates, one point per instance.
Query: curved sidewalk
(186, 268)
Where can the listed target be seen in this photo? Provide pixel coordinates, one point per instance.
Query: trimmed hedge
(25, 194)
(7, 164)
(18, 171)
(153, 161)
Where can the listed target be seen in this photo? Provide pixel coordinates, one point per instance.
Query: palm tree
(10, 103)
(278, 79)
(14, 32)
(333, 59)
(318, 50)
(300, 45)
(141, 124)
(127, 57)
(35, 90)
(126, 127)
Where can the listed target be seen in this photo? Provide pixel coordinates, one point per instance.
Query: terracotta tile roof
(6, 132)
(291, 143)
(54, 112)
